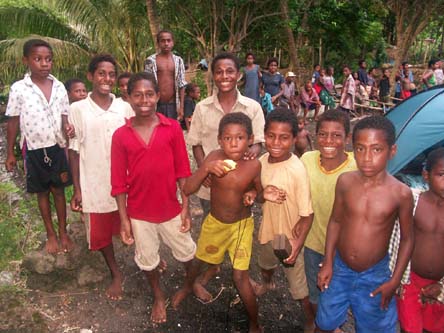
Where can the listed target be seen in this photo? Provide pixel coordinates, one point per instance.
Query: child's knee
(239, 276)
(58, 192)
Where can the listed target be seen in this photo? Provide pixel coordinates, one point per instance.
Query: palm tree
(76, 30)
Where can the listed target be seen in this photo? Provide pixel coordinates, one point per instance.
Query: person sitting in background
(288, 96)
(310, 100)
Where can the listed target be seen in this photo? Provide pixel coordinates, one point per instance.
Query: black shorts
(167, 109)
(45, 168)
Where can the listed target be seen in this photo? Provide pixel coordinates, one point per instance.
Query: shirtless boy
(421, 304)
(229, 226)
(169, 71)
(355, 271)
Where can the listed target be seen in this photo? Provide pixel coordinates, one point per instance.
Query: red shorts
(414, 315)
(100, 228)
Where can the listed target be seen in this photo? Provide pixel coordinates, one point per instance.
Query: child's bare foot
(201, 293)
(179, 296)
(66, 243)
(52, 245)
(158, 313)
(260, 289)
(114, 291)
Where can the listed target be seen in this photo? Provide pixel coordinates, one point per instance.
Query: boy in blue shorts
(355, 273)
(229, 226)
(36, 105)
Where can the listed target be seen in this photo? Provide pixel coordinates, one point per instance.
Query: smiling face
(225, 75)
(143, 98)
(103, 78)
(39, 62)
(279, 141)
(372, 152)
(234, 141)
(331, 139)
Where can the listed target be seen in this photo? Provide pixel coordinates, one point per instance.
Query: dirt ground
(55, 303)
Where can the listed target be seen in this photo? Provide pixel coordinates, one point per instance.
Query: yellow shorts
(217, 237)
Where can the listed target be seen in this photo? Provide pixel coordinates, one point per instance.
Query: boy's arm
(76, 200)
(185, 212)
(198, 154)
(333, 230)
(388, 289)
(211, 165)
(11, 135)
(181, 101)
(125, 224)
(300, 232)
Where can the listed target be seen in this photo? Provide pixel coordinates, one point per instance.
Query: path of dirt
(55, 303)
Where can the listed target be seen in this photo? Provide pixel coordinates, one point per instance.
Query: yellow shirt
(290, 176)
(205, 125)
(322, 186)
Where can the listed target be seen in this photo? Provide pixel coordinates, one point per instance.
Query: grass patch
(20, 224)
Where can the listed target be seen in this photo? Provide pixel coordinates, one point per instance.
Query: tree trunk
(290, 38)
(152, 18)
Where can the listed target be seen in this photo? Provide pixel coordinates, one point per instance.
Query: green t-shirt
(322, 187)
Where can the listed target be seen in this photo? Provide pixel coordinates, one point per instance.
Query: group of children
(335, 211)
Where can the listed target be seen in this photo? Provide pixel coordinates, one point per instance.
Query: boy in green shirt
(324, 167)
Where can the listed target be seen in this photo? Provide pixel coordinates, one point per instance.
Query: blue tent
(419, 123)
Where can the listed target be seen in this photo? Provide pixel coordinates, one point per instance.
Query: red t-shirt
(148, 173)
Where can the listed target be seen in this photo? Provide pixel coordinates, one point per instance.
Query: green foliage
(19, 224)
(200, 81)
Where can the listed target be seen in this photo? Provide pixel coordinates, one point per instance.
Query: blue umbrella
(419, 123)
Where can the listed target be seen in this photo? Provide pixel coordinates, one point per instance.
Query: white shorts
(146, 237)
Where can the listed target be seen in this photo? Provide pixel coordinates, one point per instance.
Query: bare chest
(165, 66)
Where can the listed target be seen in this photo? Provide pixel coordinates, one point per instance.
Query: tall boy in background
(169, 71)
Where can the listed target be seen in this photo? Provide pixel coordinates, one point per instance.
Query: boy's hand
(294, 252)
(70, 131)
(180, 113)
(76, 201)
(10, 162)
(218, 168)
(324, 276)
(207, 181)
(249, 197)
(387, 290)
(126, 233)
(274, 194)
(186, 220)
(431, 292)
(250, 155)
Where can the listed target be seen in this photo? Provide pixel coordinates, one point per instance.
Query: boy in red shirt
(146, 191)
